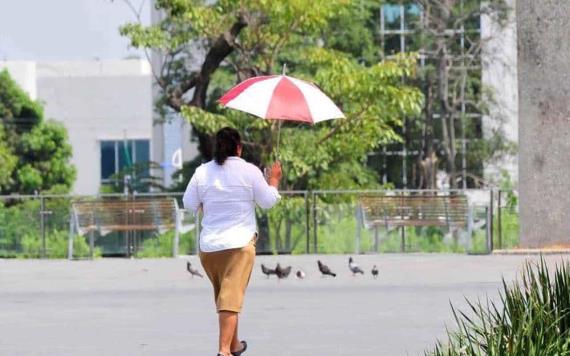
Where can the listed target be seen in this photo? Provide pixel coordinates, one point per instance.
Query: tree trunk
(199, 81)
(447, 117)
(427, 167)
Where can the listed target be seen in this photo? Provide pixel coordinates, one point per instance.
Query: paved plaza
(153, 307)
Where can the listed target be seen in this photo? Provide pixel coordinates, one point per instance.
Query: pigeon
(267, 271)
(282, 273)
(193, 271)
(300, 274)
(325, 270)
(354, 267)
(375, 272)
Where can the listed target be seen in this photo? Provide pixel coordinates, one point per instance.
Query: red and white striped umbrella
(281, 97)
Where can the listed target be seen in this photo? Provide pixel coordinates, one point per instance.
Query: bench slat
(415, 210)
(125, 215)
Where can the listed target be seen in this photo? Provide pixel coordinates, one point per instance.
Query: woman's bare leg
(236, 343)
(228, 328)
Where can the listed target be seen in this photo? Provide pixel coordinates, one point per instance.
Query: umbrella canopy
(280, 97)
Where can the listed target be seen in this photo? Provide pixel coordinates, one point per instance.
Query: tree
(7, 160)
(34, 153)
(450, 40)
(233, 40)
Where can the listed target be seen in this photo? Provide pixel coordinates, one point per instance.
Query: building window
(118, 156)
(398, 22)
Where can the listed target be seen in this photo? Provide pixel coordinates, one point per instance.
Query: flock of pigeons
(284, 272)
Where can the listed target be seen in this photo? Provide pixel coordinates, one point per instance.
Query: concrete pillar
(544, 122)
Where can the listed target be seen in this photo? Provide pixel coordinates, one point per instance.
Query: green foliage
(353, 31)
(57, 246)
(287, 222)
(17, 221)
(20, 230)
(532, 318)
(337, 230)
(309, 38)
(18, 112)
(374, 101)
(161, 245)
(34, 153)
(448, 36)
(509, 229)
(509, 215)
(7, 160)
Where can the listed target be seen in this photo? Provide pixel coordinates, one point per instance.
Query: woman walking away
(227, 189)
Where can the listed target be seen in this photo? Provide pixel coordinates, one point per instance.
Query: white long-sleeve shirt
(228, 194)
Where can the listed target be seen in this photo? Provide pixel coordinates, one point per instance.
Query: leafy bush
(509, 229)
(161, 245)
(20, 232)
(56, 246)
(532, 319)
(337, 230)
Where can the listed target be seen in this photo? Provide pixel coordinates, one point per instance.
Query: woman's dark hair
(227, 142)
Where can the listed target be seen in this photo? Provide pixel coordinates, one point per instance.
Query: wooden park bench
(392, 211)
(127, 215)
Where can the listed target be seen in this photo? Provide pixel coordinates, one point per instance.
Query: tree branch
(220, 49)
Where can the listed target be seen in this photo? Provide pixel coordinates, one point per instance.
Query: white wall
(500, 75)
(95, 100)
(175, 133)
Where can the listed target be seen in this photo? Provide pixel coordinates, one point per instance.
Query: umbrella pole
(278, 140)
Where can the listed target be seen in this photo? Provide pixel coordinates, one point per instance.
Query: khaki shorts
(229, 271)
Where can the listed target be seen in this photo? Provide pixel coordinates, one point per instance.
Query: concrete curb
(519, 252)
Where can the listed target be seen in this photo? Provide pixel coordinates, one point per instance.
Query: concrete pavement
(153, 307)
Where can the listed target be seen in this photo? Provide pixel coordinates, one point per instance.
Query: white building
(500, 76)
(106, 106)
(171, 135)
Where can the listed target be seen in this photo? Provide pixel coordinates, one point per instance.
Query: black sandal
(238, 353)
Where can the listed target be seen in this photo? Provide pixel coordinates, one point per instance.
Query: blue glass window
(121, 154)
(392, 15)
(126, 158)
(412, 16)
(142, 154)
(107, 159)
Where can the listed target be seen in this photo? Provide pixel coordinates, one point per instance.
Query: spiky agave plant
(532, 318)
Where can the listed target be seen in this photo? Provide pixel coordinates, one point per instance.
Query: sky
(45, 30)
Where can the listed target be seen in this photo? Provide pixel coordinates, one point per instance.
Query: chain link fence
(304, 222)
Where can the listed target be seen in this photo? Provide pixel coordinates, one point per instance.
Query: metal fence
(303, 222)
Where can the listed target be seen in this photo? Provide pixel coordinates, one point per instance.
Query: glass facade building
(402, 28)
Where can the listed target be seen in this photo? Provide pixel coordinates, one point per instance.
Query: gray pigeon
(193, 271)
(375, 272)
(325, 270)
(282, 273)
(354, 267)
(267, 271)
